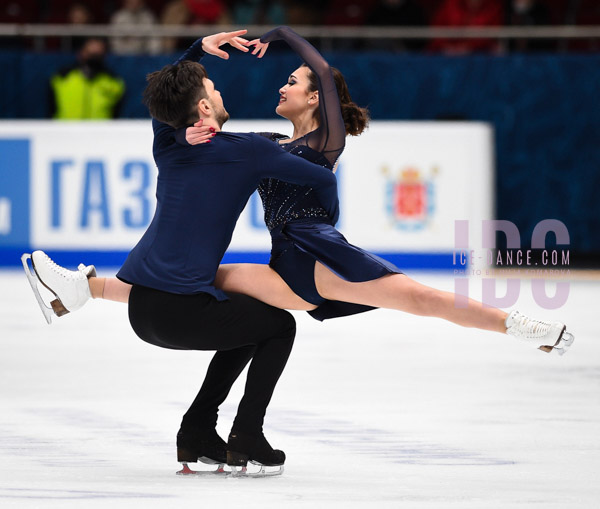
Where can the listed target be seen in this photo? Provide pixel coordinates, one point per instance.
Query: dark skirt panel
(297, 245)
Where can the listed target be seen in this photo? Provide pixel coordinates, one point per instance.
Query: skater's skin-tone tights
(395, 291)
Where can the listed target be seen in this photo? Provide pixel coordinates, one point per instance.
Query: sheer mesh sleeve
(329, 138)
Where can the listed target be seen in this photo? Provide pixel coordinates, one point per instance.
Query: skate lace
(532, 328)
(61, 271)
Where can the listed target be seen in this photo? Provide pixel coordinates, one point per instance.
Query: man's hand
(196, 135)
(211, 43)
(259, 46)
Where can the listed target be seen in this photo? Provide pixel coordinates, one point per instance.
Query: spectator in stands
(584, 12)
(87, 90)
(305, 12)
(258, 12)
(174, 13)
(182, 12)
(207, 11)
(134, 12)
(529, 13)
(467, 13)
(16, 11)
(399, 13)
(348, 12)
(77, 14)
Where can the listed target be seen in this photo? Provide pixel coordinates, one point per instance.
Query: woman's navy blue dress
(301, 231)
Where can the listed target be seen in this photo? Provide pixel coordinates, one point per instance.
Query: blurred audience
(408, 13)
(174, 13)
(305, 12)
(134, 12)
(87, 89)
(78, 14)
(529, 13)
(348, 12)
(18, 11)
(588, 13)
(183, 12)
(467, 13)
(258, 12)
(207, 11)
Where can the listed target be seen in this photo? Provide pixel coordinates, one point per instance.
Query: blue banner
(14, 193)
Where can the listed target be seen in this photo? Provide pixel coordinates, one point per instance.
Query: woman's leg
(260, 282)
(109, 288)
(397, 291)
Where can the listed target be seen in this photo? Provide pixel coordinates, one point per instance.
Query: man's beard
(221, 115)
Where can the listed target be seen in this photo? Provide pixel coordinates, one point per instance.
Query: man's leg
(197, 437)
(265, 369)
(222, 373)
(200, 322)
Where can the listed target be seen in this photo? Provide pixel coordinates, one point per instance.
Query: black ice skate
(243, 448)
(204, 446)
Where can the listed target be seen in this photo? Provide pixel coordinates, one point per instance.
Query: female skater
(312, 266)
(309, 257)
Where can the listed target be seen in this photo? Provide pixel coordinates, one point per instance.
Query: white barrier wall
(90, 186)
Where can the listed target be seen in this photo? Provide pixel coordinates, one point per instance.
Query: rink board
(87, 189)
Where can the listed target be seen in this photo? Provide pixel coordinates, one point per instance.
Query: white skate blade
(33, 280)
(561, 346)
(263, 470)
(220, 470)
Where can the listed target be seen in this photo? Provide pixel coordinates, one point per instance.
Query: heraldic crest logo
(409, 197)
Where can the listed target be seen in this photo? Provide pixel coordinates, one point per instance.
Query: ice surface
(378, 410)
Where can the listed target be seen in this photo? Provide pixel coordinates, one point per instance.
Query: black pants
(240, 329)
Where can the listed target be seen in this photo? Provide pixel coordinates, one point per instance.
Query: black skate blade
(220, 471)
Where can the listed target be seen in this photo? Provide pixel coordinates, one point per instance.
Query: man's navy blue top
(201, 191)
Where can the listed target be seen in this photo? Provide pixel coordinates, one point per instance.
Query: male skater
(201, 191)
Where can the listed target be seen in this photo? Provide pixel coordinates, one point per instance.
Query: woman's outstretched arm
(330, 137)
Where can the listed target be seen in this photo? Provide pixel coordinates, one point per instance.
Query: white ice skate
(70, 287)
(550, 337)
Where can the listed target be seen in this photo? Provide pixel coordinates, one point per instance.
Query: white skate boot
(548, 337)
(70, 287)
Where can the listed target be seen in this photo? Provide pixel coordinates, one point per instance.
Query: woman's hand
(211, 43)
(259, 46)
(197, 134)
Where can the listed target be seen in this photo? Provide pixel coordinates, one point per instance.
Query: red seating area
(335, 12)
(328, 12)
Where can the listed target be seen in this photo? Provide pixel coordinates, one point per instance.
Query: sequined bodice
(284, 202)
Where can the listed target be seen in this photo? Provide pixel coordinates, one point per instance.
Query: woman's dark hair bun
(356, 119)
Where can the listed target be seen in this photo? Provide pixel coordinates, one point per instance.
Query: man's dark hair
(172, 94)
